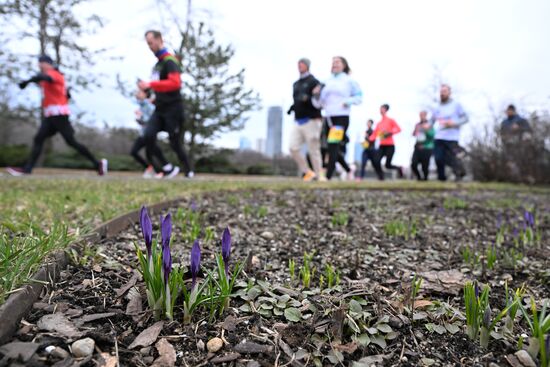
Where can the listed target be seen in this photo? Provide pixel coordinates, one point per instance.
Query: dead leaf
(147, 336)
(97, 268)
(135, 304)
(230, 323)
(167, 354)
(60, 324)
(348, 348)
(133, 280)
(107, 360)
(421, 303)
(19, 350)
(96, 316)
(252, 348)
(445, 281)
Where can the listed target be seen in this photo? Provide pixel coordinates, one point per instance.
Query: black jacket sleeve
(36, 79)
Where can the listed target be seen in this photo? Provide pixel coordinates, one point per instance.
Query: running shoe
(309, 176)
(149, 172)
(16, 171)
(173, 173)
(190, 174)
(400, 172)
(103, 167)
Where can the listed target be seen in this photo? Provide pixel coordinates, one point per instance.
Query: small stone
(214, 345)
(145, 351)
(267, 235)
(253, 364)
(493, 364)
(39, 305)
(525, 358)
(59, 353)
(200, 345)
(83, 347)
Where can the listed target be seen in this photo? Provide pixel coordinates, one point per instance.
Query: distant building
(244, 143)
(274, 131)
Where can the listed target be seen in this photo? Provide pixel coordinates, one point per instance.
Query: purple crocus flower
(499, 221)
(166, 262)
(193, 206)
(146, 230)
(515, 232)
(487, 317)
(476, 289)
(166, 230)
(226, 248)
(195, 262)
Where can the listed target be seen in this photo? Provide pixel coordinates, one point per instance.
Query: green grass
(40, 215)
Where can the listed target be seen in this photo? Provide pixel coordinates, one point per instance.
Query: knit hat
(46, 59)
(305, 61)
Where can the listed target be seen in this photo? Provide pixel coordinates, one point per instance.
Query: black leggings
(139, 144)
(387, 151)
(335, 153)
(168, 118)
(421, 156)
(49, 127)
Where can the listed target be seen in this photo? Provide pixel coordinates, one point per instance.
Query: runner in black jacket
(168, 115)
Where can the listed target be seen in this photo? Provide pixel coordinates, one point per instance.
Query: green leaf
(379, 340)
(265, 313)
(293, 314)
(355, 307)
(385, 328)
(452, 328)
(363, 339)
(440, 329)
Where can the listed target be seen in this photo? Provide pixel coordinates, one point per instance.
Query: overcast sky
(490, 52)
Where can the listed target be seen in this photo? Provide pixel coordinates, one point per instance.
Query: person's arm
(416, 128)
(356, 95)
(372, 136)
(170, 84)
(462, 116)
(395, 128)
(524, 125)
(318, 96)
(290, 110)
(36, 79)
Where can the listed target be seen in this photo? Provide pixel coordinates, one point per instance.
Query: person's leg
(46, 130)
(456, 163)
(389, 152)
(375, 159)
(297, 138)
(425, 162)
(439, 156)
(139, 143)
(342, 160)
(364, 158)
(173, 121)
(333, 150)
(414, 163)
(150, 139)
(66, 130)
(312, 135)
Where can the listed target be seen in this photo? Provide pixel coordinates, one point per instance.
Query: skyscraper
(274, 131)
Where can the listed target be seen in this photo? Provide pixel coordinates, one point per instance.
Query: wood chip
(147, 336)
(167, 354)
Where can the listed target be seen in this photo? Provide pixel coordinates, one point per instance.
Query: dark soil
(376, 268)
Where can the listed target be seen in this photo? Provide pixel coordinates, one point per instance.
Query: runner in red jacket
(55, 106)
(385, 130)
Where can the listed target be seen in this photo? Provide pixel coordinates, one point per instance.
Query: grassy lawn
(39, 215)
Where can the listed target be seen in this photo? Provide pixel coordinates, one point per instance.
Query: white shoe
(173, 173)
(190, 174)
(149, 172)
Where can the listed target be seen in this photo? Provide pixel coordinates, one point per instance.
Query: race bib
(335, 134)
(366, 144)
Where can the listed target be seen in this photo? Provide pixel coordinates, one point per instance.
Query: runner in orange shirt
(55, 105)
(385, 130)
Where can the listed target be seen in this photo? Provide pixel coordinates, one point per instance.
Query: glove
(23, 85)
